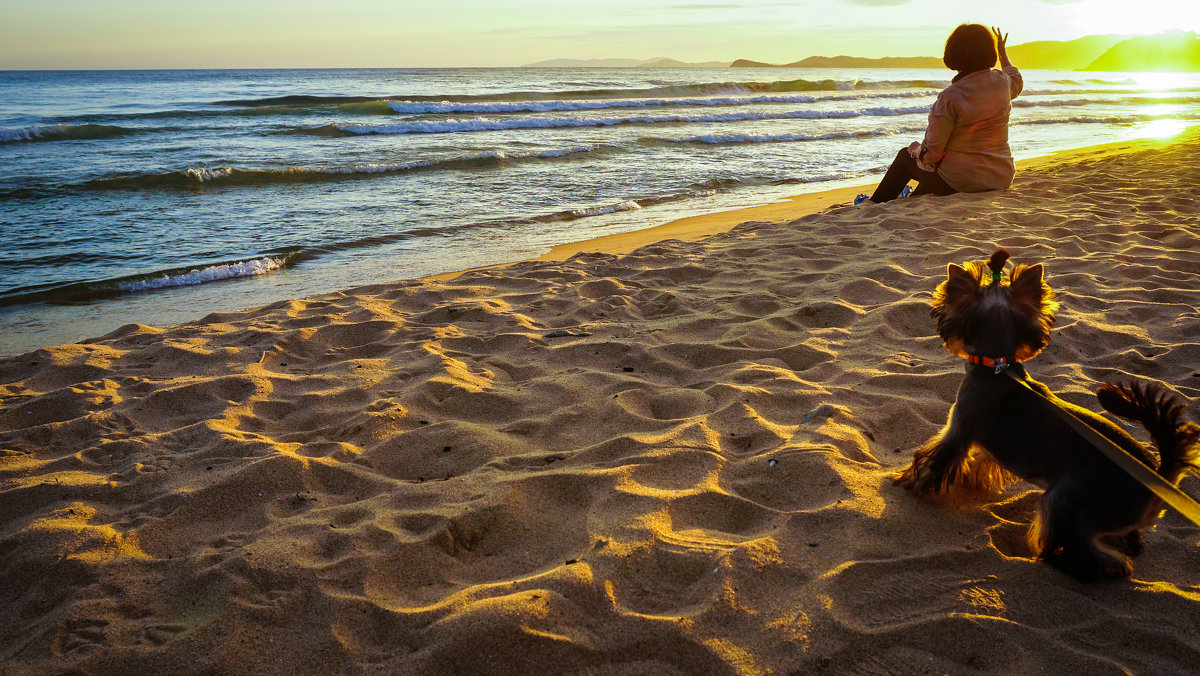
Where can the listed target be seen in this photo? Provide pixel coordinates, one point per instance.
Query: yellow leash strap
(1134, 467)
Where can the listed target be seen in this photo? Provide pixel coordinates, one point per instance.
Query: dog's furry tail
(1161, 413)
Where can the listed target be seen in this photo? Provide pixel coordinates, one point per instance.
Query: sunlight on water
(1161, 82)
(1162, 129)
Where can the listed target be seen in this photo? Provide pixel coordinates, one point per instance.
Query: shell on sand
(675, 460)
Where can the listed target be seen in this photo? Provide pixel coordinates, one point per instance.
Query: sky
(53, 34)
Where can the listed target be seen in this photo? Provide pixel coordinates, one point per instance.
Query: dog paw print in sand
(76, 636)
(824, 315)
(793, 478)
(115, 454)
(665, 579)
(160, 634)
(909, 591)
(1013, 516)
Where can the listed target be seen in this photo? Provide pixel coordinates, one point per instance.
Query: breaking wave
(199, 178)
(484, 124)
(62, 132)
(76, 292)
(560, 105)
(675, 91)
(212, 273)
(719, 139)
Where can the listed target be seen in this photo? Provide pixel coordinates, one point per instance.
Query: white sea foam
(211, 273)
(1142, 100)
(10, 134)
(1107, 119)
(485, 124)
(628, 205)
(61, 132)
(203, 175)
(821, 178)
(447, 107)
(883, 111)
(489, 107)
(380, 168)
(717, 139)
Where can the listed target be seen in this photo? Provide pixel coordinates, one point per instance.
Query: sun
(1120, 17)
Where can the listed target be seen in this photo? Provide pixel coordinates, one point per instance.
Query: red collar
(998, 363)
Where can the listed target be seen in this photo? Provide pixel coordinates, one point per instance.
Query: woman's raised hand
(1001, 39)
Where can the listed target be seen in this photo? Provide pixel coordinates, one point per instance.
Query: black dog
(1090, 513)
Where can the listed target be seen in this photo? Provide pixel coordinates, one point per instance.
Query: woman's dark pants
(904, 169)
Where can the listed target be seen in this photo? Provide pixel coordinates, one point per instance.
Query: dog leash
(1169, 493)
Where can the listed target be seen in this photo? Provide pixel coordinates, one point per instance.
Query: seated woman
(966, 143)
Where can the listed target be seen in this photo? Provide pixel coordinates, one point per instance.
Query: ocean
(158, 197)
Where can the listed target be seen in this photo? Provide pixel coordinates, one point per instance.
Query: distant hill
(1054, 55)
(1048, 54)
(1169, 52)
(660, 62)
(862, 62)
(848, 62)
(747, 63)
(672, 63)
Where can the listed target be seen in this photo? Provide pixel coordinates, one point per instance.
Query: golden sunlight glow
(1160, 83)
(1161, 129)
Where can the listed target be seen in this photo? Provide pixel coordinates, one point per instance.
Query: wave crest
(83, 291)
(672, 91)
(486, 124)
(62, 132)
(198, 178)
(212, 273)
(409, 107)
(721, 139)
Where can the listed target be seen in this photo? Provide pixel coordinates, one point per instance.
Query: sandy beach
(666, 453)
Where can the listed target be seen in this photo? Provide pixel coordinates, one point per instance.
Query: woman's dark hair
(969, 48)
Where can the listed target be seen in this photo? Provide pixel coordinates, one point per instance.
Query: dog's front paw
(1130, 543)
(1090, 563)
(918, 479)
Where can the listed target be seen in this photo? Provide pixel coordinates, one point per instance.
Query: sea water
(161, 196)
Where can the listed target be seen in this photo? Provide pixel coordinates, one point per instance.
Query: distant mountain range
(847, 62)
(661, 62)
(1177, 51)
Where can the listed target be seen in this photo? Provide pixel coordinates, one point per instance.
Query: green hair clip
(995, 278)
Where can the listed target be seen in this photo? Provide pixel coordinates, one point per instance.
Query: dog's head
(980, 312)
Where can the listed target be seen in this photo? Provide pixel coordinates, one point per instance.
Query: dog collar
(998, 363)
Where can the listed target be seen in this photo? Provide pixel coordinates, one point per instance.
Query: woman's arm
(1016, 82)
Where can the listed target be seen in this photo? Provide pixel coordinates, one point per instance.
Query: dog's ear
(1029, 287)
(951, 299)
(958, 291)
(1034, 299)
